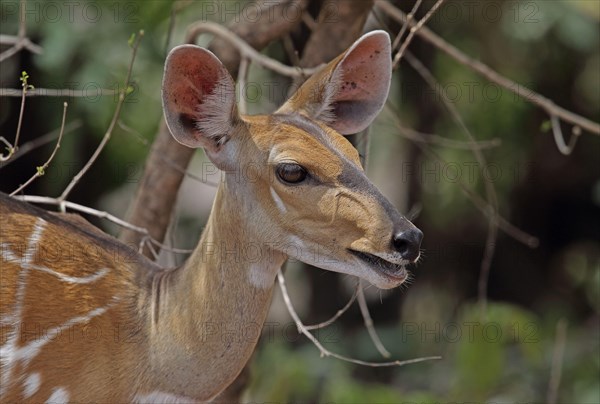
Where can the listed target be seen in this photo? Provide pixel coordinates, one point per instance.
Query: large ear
(348, 93)
(198, 97)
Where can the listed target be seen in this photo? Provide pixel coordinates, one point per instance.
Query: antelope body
(86, 319)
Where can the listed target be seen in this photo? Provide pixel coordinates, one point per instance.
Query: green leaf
(40, 170)
(131, 40)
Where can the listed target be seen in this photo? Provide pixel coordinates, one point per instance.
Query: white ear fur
(349, 92)
(198, 99)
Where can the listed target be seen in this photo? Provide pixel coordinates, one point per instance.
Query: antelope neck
(209, 311)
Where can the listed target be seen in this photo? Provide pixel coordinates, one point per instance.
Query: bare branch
(291, 52)
(20, 41)
(559, 138)
(324, 352)
(546, 104)
(431, 138)
(14, 147)
(147, 240)
(41, 170)
(409, 17)
(478, 202)
(113, 122)
(246, 50)
(490, 191)
(413, 31)
(18, 44)
(41, 141)
(364, 310)
(53, 92)
(338, 314)
(80, 208)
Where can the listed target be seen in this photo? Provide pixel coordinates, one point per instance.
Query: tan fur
(85, 318)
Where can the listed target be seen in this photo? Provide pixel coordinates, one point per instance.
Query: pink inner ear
(366, 70)
(191, 80)
(363, 81)
(189, 77)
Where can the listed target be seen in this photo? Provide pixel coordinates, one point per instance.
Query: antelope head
(292, 175)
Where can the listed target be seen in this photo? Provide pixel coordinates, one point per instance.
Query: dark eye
(291, 173)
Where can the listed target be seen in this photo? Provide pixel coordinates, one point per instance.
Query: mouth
(397, 272)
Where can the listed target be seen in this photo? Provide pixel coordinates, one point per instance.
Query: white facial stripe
(278, 202)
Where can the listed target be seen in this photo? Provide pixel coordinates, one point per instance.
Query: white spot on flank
(157, 397)
(278, 201)
(59, 395)
(32, 385)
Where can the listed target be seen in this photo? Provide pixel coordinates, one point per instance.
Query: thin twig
(92, 93)
(449, 143)
(324, 352)
(504, 225)
(246, 51)
(14, 147)
(113, 122)
(559, 138)
(364, 310)
(409, 17)
(41, 170)
(128, 129)
(20, 41)
(292, 53)
(557, 360)
(41, 141)
(546, 104)
(338, 314)
(413, 30)
(46, 200)
(21, 113)
(490, 191)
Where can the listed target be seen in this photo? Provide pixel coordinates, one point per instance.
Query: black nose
(408, 243)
